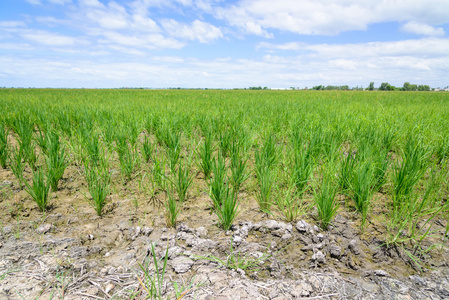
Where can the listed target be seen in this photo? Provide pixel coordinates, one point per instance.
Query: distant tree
(423, 87)
(385, 86)
(409, 87)
(371, 86)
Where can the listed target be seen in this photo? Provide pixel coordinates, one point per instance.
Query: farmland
(354, 183)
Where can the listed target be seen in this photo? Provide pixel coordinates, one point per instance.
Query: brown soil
(71, 253)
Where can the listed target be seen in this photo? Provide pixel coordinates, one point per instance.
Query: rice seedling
(56, 160)
(17, 166)
(415, 208)
(361, 188)
(265, 180)
(24, 129)
(170, 136)
(218, 184)
(266, 155)
(324, 197)
(225, 140)
(407, 173)
(39, 190)
(90, 142)
(147, 149)
(265, 158)
(128, 156)
(347, 167)
(382, 162)
(441, 149)
(172, 209)
(182, 180)
(98, 181)
(239, 173)
(290, 205)
(302, 165)
(228, 210)
(4, 147)
(205, 154)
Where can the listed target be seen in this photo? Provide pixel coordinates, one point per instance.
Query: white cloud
(151, 41)
(61, 2)
(39, 2)
(422, 29)
(34, 2)
(12, 24)
(48, 38)
(427, 47)
(322, 17)
(197, 30)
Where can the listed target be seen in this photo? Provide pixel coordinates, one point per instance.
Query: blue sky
(223, 44)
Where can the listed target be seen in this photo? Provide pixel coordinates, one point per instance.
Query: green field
(382, 156)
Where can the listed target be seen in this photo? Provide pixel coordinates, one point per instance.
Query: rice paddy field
(105, 192)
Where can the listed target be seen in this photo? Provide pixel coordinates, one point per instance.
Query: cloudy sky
(224, 44)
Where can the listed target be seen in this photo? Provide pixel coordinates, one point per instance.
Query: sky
(223, 44)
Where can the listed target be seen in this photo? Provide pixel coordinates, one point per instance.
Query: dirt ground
(71, 253)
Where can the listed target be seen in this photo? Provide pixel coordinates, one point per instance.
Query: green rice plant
(382, 162)
(169, 135)
(17, 166)
(56, 159)
(181, 181)
(153, 282)
(407, 172)
(228, 210)
(361, 188)
(415, 208)
(316, 140)
(324, 197)
(4, 146)
(24, 129)
(128, 156)
(265, 158)
(147, 149)
(172, 209)
(158, 171)
(109, 135)
(39, 190)
(266, 155)
(265, 182)
(225, 140)
(205, 154)
(239, 173)
(41, 138)
(98, 182)
(65, 122)
(90, 142)
(331, 142)
(218, 184)
(290, 205)
(441, 149)
(347, 167)
(302, 166)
